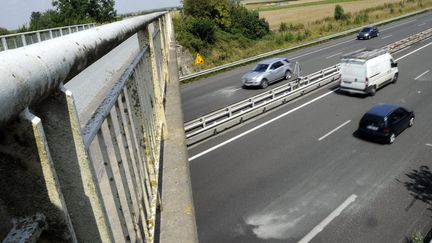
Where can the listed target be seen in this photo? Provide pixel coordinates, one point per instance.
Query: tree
(107, 12)
(249, 23)
(84, 11)
(3, 31)
(339, 13)
(46, 20)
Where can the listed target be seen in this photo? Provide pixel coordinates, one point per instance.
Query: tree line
(69, 12)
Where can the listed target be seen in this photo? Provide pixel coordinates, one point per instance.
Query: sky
(15, 13)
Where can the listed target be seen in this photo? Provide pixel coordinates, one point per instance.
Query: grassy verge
(231, 47)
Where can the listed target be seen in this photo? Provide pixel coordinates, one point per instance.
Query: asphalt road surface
(304, 176)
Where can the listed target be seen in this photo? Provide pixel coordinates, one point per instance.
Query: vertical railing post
(4, 43)
(75, 170)
(23, 39)
(39, 39)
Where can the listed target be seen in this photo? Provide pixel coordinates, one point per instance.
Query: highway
(299, 173)
(218, 91)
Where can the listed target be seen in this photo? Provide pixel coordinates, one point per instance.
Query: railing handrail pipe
(45, 30)
(32, 72)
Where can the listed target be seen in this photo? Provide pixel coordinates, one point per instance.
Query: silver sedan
(267, 72)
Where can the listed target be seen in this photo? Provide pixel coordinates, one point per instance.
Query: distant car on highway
(267, 72)
(368, 32)
(384, 122)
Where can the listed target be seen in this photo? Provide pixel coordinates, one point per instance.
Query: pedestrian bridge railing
(13, 41)
(48, 160)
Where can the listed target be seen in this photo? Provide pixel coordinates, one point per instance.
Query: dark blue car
(384, 122)
(368, 32)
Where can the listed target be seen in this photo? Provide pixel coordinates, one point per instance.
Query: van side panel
(379, 70)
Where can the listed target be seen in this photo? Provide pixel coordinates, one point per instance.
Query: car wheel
(264, 84)
(368, 37)
(372, 91)
(392, 138)
(288, 75)
(411, 122)
(395, 77)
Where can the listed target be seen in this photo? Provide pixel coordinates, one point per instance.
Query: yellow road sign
(199, 59)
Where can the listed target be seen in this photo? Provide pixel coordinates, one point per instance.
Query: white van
(365, 71)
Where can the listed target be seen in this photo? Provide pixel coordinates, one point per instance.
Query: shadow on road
(419, 184)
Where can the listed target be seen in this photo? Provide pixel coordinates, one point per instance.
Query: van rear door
(353, 75)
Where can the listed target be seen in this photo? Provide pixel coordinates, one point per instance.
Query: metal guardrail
(13, 41)
(280, 51)
(232, 115)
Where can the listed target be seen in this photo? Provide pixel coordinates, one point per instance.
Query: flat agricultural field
(263, 4)
(304, 11)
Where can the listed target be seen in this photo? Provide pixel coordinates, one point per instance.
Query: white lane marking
(258, 127)
(324, 48)
(328, 219)
(421, 74)
(421, 24)
(416, 50)
(428, 144)
(394, 26)
(337, 54)
(385, 37)
(237, 89)
(334, 130)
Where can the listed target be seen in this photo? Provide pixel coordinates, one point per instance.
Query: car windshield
(372, 119)
(366, 30)
(260, 68)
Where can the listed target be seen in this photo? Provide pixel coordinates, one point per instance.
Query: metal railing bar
(136, 160)
(135, 182)
(113, 184)
(124, 180)
(95, 122)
